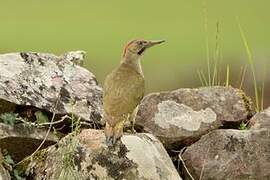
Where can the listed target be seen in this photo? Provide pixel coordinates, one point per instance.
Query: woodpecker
(124, 88)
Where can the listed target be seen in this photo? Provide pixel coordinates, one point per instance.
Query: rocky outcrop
(182, 116)
(52, 83)
(22, 140)
(232, 154)
(86, 156)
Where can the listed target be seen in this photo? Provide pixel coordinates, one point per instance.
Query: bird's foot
(115, 140)
(109, 141)
(133, 131)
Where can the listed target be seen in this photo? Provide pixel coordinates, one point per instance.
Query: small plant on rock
(243, 126)
(9, 118)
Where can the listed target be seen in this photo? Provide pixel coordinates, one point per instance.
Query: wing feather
(123, 90)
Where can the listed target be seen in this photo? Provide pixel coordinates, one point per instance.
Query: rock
(21, 140)
(49, 82)
(230, 154)
(139, 156)
(6, 106)
(260, 120)
(182, 116)
(76, 57)
(4, 174)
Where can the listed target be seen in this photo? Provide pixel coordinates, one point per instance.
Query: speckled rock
(21, 140)
(182, 116)
(139, 156)
(49, 82)
(230, 154)
(4, 174)
(261, 120)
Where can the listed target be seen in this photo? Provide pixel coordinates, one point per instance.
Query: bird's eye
(140, 43)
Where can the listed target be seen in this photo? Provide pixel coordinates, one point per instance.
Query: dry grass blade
(251, 63)
(207, 43)
(242, 77)
(184, 165)
(228, 75)
(202, 78)
(263, 87)
(216, 56)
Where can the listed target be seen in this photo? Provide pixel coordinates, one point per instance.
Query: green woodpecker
(124, 88)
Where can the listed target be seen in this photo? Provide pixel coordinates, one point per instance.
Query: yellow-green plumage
(124, 89)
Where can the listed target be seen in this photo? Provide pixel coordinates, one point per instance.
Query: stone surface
(21, 140)
(260, 120)
(230, 154)
(139, 156)
(182, 116)
(49, 82)
(4, 174)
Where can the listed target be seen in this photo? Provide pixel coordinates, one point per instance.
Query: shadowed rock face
(181, 117)
(139, 156)
(233, 154)
(49, 82)
(22, 140)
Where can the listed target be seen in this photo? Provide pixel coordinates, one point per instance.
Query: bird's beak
(153, 43)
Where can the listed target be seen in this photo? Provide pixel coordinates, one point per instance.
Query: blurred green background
(102, 28)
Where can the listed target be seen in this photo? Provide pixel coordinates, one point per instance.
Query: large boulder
(22, 140)
(182, 116)
(86, 156)
(230, 154)
(53, 83)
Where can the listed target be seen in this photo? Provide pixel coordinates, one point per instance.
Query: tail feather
(108, 133)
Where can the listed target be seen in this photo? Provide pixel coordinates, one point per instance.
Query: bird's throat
(134, 63)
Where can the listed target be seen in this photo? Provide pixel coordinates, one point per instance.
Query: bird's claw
(109, 141)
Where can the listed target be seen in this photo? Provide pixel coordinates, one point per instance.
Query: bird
(124, 88)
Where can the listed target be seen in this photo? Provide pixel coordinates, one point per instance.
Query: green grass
(243, 126)
(259, 102)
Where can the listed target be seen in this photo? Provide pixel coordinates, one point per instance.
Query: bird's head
(136, 48)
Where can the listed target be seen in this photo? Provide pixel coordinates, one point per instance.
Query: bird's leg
(118, 131)
(109, 134)
(132, 119)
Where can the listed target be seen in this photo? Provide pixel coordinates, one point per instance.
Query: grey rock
(22, 140)
(260, 120)
(230, 154)
(4, 174)
(49, 82)
(182, 116)
(139, 156)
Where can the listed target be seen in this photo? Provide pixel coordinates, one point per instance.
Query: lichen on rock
(50, 82)
(139, 156)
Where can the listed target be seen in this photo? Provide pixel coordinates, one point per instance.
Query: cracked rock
(179, 118)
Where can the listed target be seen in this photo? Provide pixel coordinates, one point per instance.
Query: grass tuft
(251, 64)
(213, 77)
